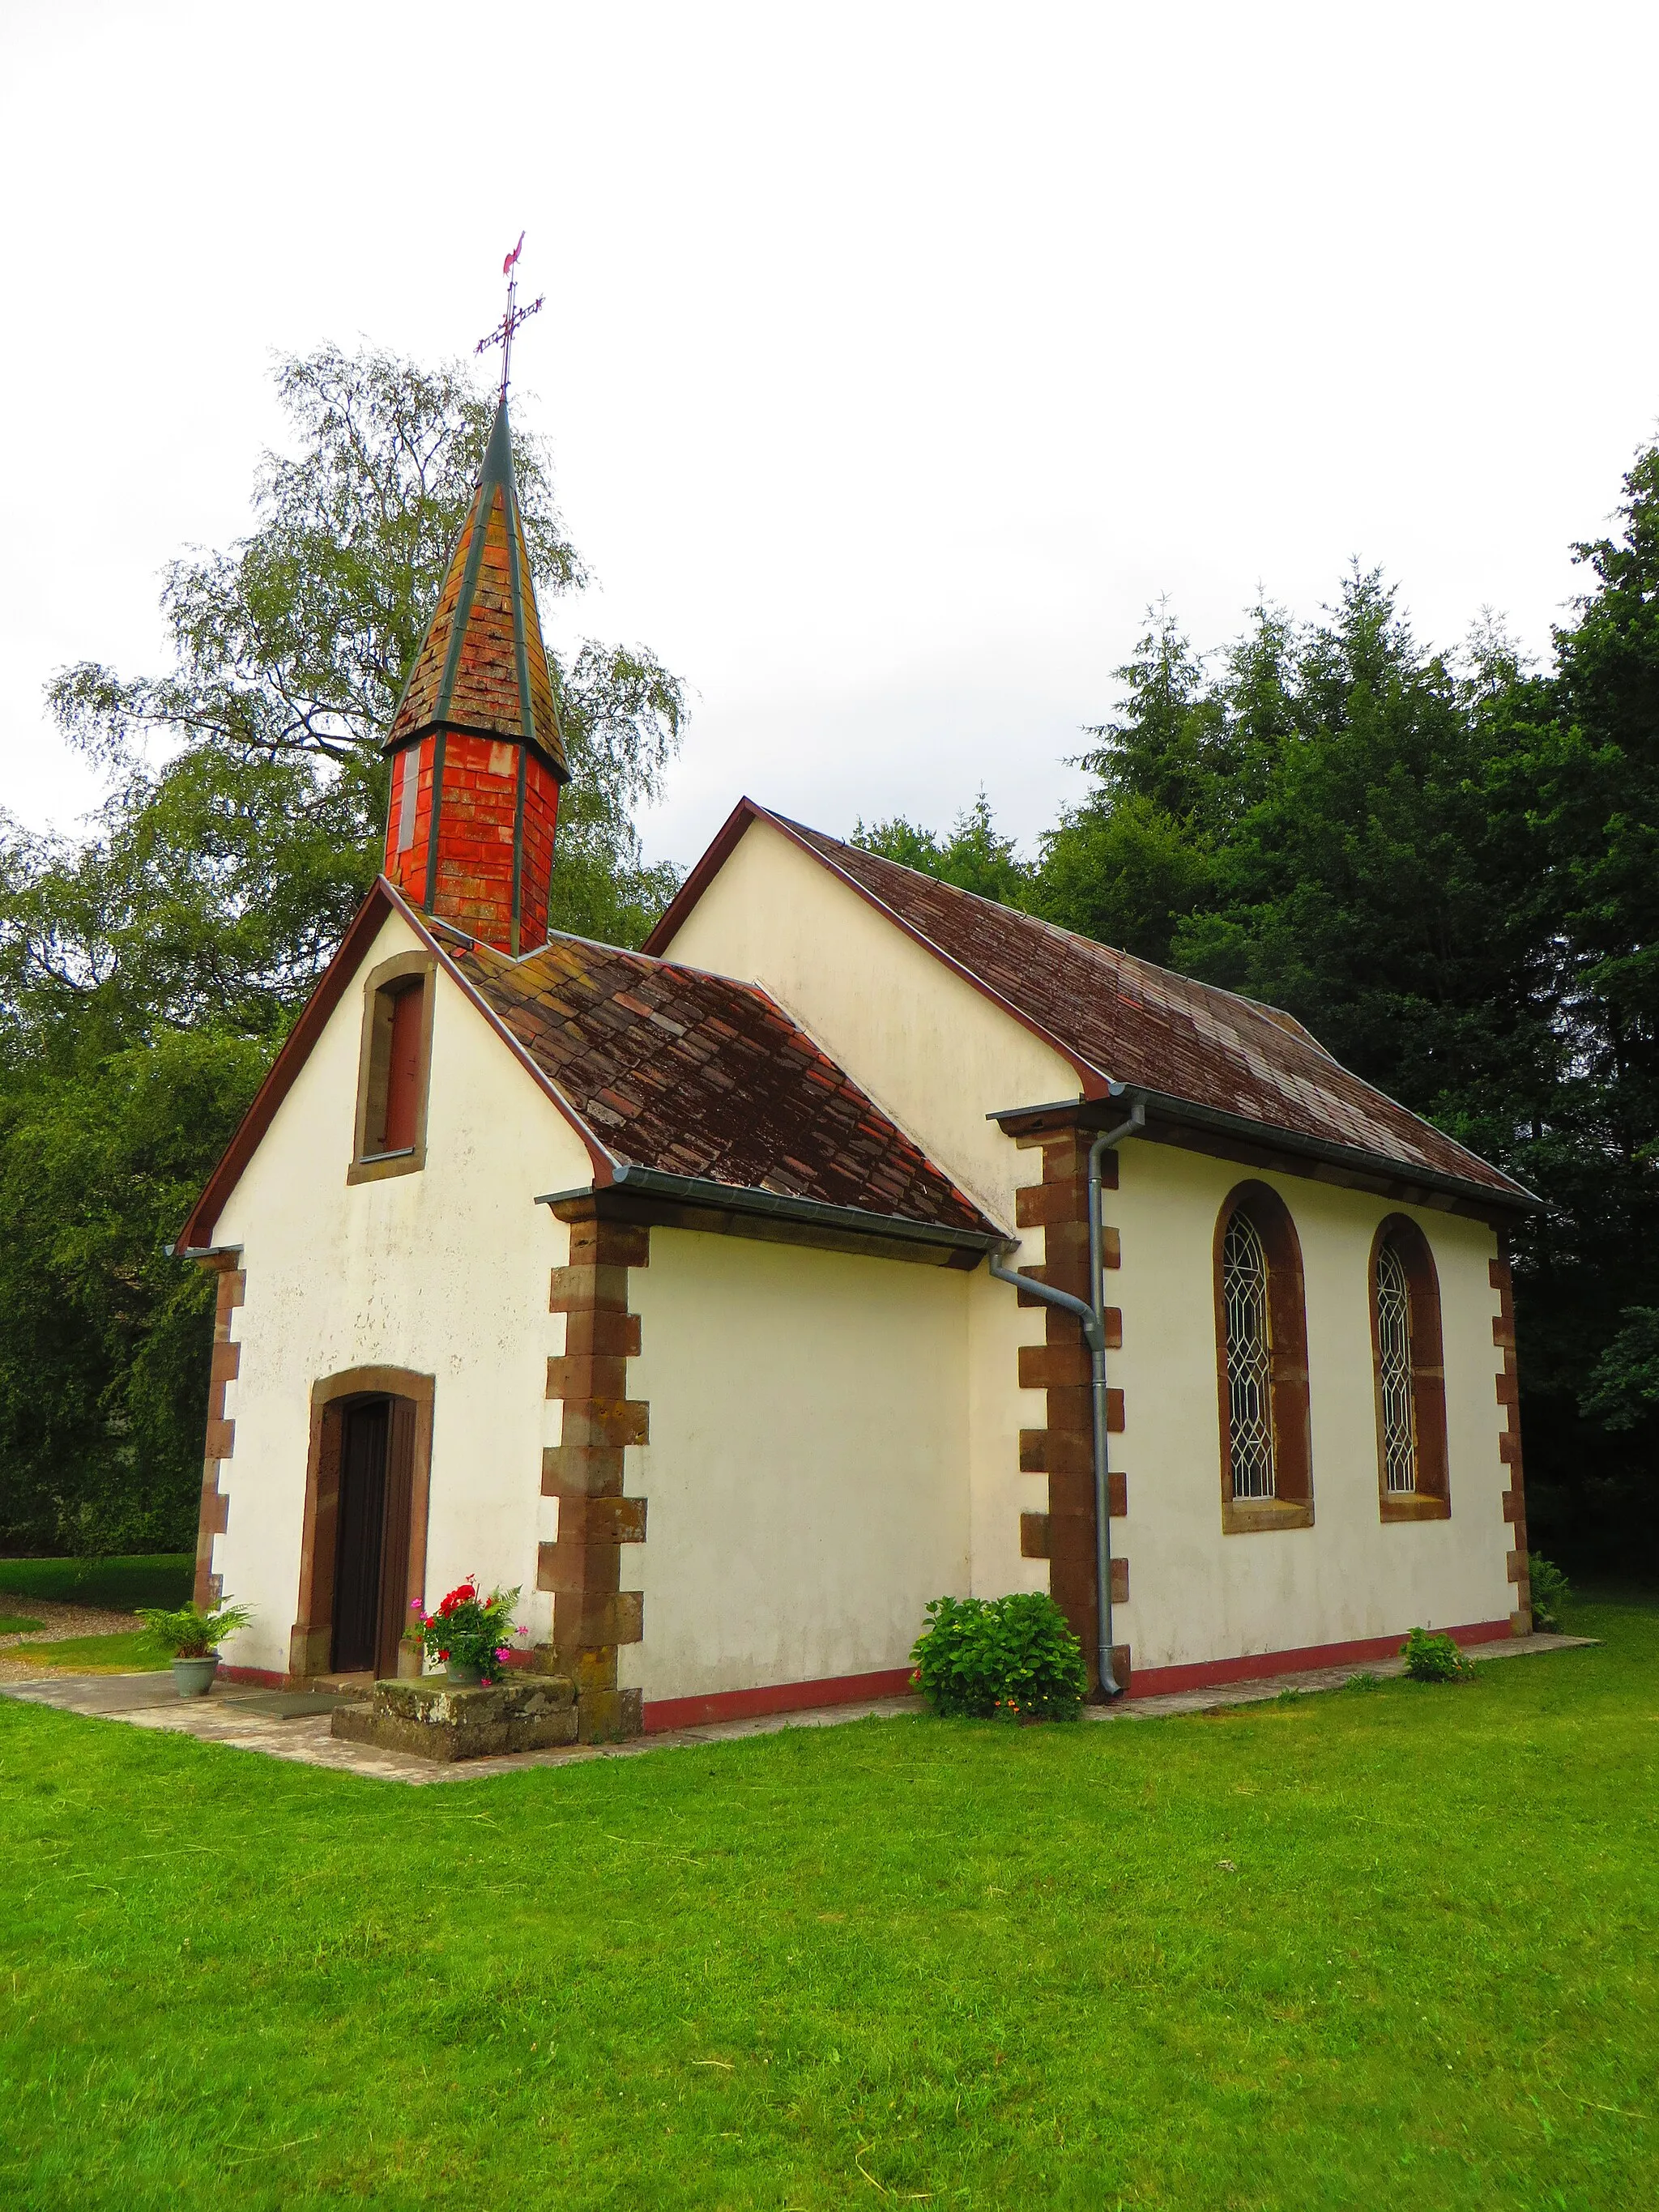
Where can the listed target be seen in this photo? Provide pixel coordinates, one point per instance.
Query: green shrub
(1009, 1657)
(1431, 1658)
(1551, 1592)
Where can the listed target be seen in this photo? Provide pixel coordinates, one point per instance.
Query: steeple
(477, 754)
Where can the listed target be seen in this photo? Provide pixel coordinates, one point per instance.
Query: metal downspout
(1092, 1315)
(1135, 1121)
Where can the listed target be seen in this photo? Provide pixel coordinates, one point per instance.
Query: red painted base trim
(774, 1698)
(1160, 1681)
(264, 1677)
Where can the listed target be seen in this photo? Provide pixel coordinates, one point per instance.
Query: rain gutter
(701, 1191)
(1161, 1106)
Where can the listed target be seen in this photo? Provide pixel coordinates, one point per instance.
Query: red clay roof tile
(1146, 1026)
(1120, 1019)
(729, 1089)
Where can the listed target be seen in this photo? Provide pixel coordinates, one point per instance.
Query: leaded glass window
(1249, 1358)
(1394, 1355)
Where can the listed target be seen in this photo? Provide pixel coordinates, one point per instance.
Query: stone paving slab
(115, 1695)
(295, 1725)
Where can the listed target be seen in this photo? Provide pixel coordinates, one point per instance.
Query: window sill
(1253, 1516)
(1413, 1505)
(378, 1165)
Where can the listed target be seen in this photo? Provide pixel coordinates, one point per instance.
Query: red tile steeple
(477, 755)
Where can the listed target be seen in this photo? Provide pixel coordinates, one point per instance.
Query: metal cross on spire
(502, 335)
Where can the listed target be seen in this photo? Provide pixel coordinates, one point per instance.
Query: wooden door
(396, 1530)
(360, 1555)
(373, 1525)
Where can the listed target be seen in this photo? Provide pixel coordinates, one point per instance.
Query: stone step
(434, 1719)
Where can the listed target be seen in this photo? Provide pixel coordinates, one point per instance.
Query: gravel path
(56, 1621)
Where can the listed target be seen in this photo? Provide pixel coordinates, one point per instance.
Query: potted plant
(468, 1633)
(192, 1637)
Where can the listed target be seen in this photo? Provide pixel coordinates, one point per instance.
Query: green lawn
(129, 1653)
(15, 1624)
(1392, 1947)
(162, 1578)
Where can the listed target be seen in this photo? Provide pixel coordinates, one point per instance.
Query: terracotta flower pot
(193, 1678)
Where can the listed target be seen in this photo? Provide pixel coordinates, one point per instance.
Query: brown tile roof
(482, 665)
(1120, 1019)
(1148, 1027)
(693, 1074)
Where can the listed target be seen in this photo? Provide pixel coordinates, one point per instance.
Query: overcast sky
(895, 356)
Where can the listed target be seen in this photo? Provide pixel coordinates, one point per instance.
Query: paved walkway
(294, 1724)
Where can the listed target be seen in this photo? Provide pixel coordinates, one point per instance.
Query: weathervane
(510, 321)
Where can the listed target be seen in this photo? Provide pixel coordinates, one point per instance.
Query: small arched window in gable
(1261, 1365)
(402, 1064)
(1410, 1374)
(392, 1069)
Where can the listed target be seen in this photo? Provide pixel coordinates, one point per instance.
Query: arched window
(391, 1076)
(1249, 1358)
(1409, 1371)
(1396, 1413)
(1262, 1365)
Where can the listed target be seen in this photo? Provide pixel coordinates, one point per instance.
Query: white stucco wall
(805, 1472)
(935, 1055)
(445, 1272)
(1198, 1595)
(930, 1049)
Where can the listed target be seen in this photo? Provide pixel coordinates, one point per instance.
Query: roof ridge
(1088, 944)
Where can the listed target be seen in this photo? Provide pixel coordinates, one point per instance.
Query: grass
(160, 1578)
(1395, 1948)
(129, 1652)
(13, 1624)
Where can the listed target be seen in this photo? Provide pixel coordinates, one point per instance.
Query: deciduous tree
(148, 970)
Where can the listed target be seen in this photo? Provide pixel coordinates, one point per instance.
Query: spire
(479, 756)
(481, 666)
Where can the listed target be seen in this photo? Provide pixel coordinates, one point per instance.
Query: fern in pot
(192, 1637)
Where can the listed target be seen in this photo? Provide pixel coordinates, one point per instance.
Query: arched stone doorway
(363, 1545)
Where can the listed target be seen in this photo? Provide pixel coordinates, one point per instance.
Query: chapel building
(674, 1287)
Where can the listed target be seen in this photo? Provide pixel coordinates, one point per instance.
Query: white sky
(895, 356)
